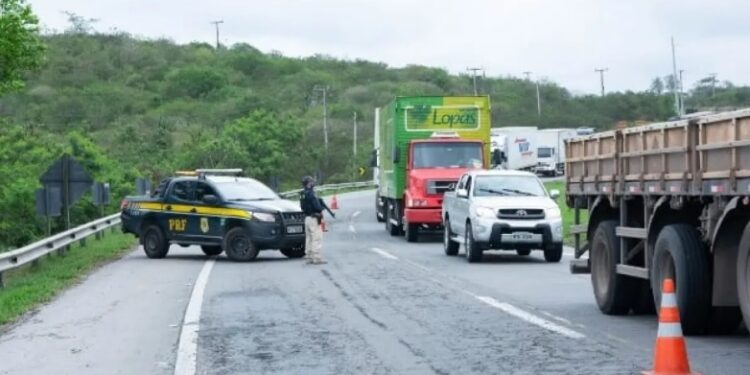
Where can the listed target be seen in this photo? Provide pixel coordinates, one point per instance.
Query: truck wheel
(412, 232)
(294, 252)
(523, 252)
(450, 246)
(614, 293)
(473, 252)
(680, 255)
(392, 229)
(211, 250)
(238, 245)
(554, 253)
(378, 210)
(155, 245)
(743, 275)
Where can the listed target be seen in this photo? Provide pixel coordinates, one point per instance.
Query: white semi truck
(550, 150)
(518, 146)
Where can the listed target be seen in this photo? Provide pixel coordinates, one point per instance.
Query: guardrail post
(82, 242)
(2, 283)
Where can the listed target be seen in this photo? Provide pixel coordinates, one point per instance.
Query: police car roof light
(217, 172)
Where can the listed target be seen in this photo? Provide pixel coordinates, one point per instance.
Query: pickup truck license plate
(294, 229)
(522, 236)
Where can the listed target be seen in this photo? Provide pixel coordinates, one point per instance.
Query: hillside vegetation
(128, 107)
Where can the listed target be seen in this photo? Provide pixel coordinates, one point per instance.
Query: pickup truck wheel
(473, 252)
(238, 245)
(614, 293)
(680, 255)
(211, 250)
(155, 244)
(450, 246)
(294, 252)
(523, 252)
(554, 253)
(743, 275)
(412, 232)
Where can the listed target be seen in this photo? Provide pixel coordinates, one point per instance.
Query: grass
(567, 213)
(30, 286)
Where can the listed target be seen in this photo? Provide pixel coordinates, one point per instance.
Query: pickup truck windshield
(486, 186)
(544, 152)
(447, 155)
(245, 190)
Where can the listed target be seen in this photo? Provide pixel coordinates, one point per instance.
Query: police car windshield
(245, 190)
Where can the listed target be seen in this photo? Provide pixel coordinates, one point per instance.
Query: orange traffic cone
(334, 203)
(670, 355)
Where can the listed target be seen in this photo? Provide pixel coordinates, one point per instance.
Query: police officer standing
(313, 217)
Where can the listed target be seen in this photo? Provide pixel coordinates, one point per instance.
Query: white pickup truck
(502, 210)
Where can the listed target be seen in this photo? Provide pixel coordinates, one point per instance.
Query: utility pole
(528, 75)
(538, 100)
(217, 23)
(713, 84)
(474, 75)
(355, 136)
(676, 82)
(324, 90)
(601, 76)
(682, 95)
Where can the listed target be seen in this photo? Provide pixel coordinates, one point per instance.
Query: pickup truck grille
(435, 187)
(293, 217)
(521, 213)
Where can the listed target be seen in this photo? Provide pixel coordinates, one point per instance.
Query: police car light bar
(230, 171)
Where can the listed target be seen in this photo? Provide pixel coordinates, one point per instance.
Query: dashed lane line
(187, 349)
(384, 253)
(530, 318)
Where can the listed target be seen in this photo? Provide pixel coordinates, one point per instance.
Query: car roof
(500, 172)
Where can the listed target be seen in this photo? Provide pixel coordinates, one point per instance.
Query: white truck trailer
(518, 146)
(550, 150)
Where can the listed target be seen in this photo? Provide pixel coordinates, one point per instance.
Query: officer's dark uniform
(313, 214)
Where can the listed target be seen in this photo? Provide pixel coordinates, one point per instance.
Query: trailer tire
(614, 293)
(473, 252)
(392, 229)
(450, 246)
(743, 275)
(680, 255)
(379, 216)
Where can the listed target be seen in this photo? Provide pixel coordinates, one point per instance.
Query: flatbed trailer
(666, 200)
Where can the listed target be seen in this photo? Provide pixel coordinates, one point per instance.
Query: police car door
(177, 206)
(208, 223)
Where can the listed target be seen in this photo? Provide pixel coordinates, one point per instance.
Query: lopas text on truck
(424, 145)
(668, 200)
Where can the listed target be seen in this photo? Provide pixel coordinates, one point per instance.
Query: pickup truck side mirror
(554, 193)
(210, 199)
(462, 193)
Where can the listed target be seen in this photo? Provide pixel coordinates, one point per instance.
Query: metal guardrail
(27, 254)
(24, 255)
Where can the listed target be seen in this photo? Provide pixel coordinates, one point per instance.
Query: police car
(220, 211)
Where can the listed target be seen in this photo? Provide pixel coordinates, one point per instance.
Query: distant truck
(550, 151)
(518, 146)
(666, 200)
(497, 209)
(425, 145)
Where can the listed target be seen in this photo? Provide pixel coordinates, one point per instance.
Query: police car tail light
(123, 204)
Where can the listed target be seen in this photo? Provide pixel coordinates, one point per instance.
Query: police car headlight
(552, 213)
(262, 216)
(485, 212)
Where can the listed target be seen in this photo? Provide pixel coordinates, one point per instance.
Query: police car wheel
(155, 245)
(238, 245)
(294, 252)
(211, 250)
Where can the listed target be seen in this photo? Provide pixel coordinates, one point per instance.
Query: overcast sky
(562, 40)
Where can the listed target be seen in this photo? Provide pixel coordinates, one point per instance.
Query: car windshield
(447, 155)
(544, 152)
(245, 189)
(508, 185)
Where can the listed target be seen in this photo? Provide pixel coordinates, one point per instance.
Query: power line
(601, 76)
(217, 23)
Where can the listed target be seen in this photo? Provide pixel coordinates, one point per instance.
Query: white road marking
(351, 228)
(531, 318)
(187, 349)
(423, 268)
(384, 253)
(356, 213)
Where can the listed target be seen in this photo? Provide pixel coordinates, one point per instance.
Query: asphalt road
(380, 306)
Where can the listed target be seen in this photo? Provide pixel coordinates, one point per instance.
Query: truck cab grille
(521, 213)
(439, 187)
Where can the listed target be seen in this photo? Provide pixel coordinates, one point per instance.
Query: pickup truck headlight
(265, 217)
(485, 212)
(552, 213)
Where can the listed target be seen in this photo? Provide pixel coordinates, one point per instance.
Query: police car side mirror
(210, 199)
(554, 193)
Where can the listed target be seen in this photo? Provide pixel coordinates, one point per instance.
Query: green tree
(21, 48)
